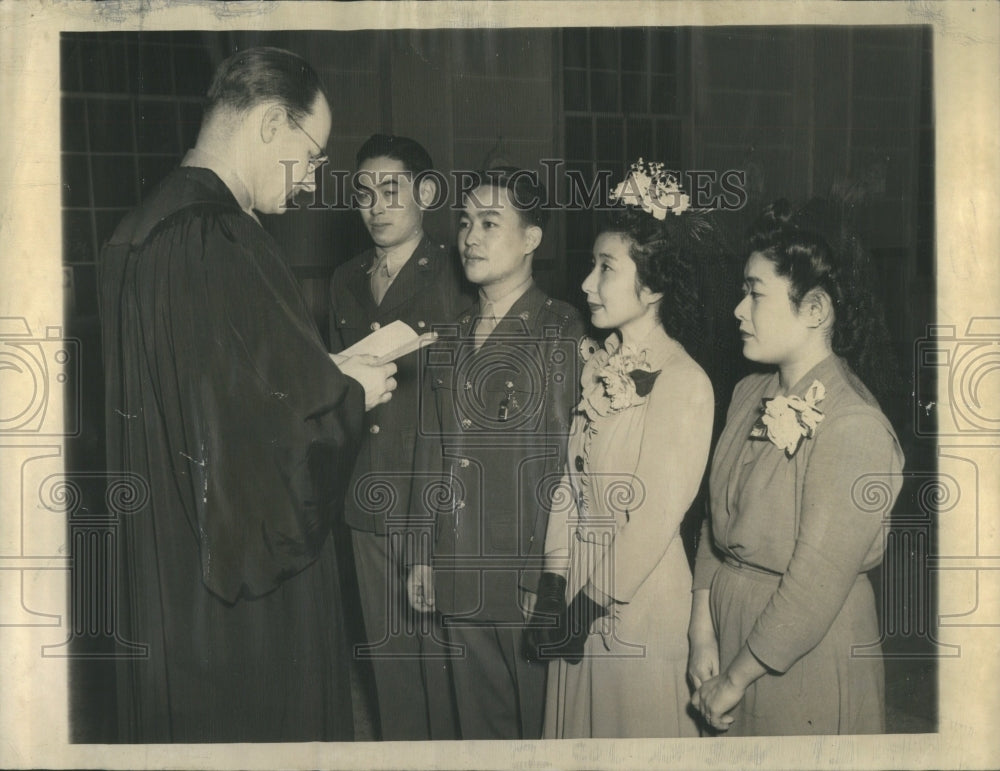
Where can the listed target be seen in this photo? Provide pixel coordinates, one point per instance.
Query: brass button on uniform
(421, 324)
(375, 326)
(374, 429)
(466, 423)
(463, 463)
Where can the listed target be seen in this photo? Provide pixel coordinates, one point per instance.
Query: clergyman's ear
(273, 118)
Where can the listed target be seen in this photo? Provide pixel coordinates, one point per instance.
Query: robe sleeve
(675, 443)
(265, 427)
(834, 541)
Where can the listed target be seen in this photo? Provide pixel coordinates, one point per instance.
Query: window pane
(575, 47)
(663, 47)
(639, 140)
(578, 145)
(604, 49)
(150, 70)
(110, 125)
(664, 95)
(634, 86)
(634, 43)
(103, 67)
(609, 139)
(78, 242)
(75, 181)
(114, 180)
(157, 127)
(604, 91)
(575, 90)
(74, 124)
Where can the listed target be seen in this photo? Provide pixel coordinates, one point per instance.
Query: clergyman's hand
(377, 380)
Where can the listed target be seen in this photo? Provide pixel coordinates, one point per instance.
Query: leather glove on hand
(547, 623)
(581, 614)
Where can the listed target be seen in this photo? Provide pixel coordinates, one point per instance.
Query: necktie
(381, 279)
(486, 324)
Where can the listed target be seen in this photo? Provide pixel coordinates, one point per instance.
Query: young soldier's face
(389, 203)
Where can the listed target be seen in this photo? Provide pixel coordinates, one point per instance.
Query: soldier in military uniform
(404, 276)
(496, 397)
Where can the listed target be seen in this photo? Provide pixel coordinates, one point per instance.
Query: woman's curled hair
(663, 264)
(813, 248)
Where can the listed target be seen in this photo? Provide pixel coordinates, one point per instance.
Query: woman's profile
(781, 594)
(618, 579)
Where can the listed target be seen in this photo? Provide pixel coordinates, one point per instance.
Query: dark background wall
(804, 111)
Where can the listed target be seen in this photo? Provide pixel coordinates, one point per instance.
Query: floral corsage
(787, 420)
(615, 377)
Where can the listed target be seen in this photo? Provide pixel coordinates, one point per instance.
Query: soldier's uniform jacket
(490, 452)
(426, 292)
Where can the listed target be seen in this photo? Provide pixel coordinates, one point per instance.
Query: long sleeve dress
(632, 474)
(794, 537)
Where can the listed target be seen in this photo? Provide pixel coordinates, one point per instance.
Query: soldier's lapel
(523, 314)
(412, 278)
(359, 282)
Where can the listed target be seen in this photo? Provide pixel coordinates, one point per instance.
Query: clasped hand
(715, 698)
(555, 630)
(377, 380)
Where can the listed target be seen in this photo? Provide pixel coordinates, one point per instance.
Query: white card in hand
(390, 342)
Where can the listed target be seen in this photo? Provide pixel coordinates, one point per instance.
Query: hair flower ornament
(787, 420)
(650, 187)
(615, 377)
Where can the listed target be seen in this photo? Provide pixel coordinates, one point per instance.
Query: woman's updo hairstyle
(663, 264)
(813, 248)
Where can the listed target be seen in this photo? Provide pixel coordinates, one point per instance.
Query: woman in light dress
(617, 586)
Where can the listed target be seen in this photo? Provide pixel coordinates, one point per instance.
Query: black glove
(547, 623)
(581, 614)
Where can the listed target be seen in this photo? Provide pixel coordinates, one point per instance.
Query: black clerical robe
(221, 395)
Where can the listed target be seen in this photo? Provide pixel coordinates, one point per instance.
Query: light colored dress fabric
(794, 538)
(632, 474)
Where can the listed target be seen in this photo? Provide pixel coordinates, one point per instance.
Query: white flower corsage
(615, 377)
(653, 189)
(787, 420)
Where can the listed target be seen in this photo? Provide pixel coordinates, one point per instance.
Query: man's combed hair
(409, 152)
(526, 193)
(256, 75)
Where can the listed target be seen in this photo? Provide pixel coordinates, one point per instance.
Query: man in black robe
(221, 395)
